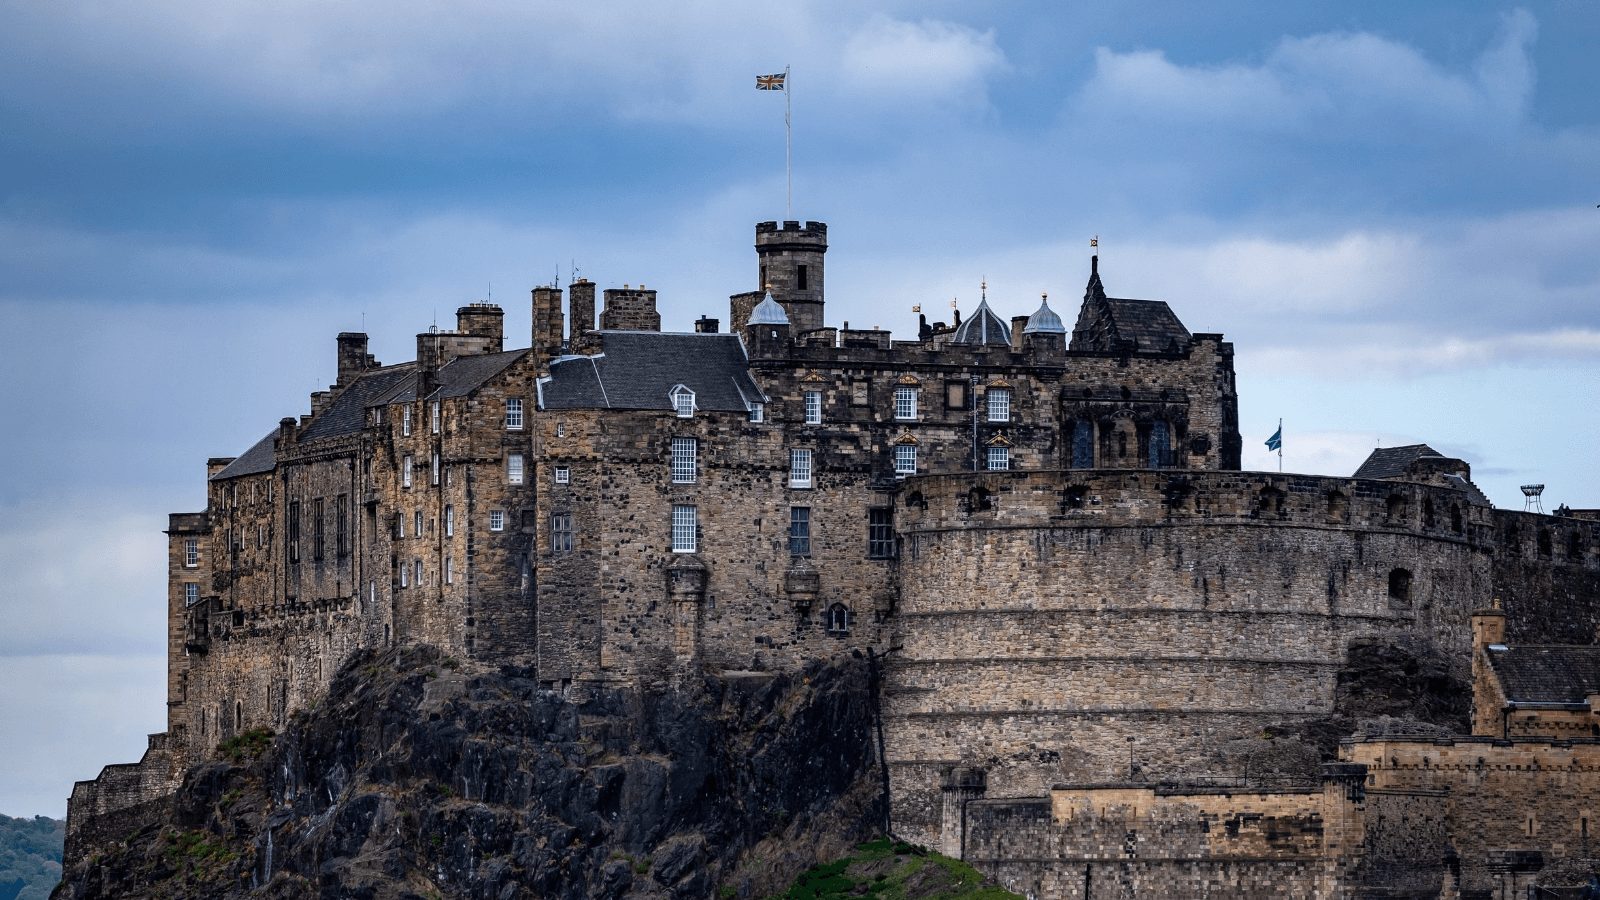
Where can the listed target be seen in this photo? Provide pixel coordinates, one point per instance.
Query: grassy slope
(893, 870)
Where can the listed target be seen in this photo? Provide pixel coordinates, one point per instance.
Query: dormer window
(758, 412)
(682, 401)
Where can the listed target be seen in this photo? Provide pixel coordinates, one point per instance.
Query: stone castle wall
(1091, 625)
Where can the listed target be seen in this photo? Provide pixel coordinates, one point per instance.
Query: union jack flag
(770, 82)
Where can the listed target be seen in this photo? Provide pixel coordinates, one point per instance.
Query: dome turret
(1044, 319)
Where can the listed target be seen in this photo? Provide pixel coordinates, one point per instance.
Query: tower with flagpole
(780, 82)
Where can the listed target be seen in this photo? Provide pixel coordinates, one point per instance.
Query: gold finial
(769, 287)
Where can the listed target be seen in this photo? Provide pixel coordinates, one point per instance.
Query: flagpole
(1280, 446)
(788, 143)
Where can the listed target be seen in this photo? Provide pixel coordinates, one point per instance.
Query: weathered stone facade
(1046, 531)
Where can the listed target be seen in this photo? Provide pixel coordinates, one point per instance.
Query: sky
(1390, 209)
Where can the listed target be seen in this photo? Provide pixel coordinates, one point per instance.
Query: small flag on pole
(1276, 441)
(770, 82)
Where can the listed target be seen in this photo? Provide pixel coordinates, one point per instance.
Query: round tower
(790, 261)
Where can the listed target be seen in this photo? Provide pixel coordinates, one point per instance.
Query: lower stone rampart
(99, 809)
(1085, 625)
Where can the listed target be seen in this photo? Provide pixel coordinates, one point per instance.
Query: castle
(1046, 531)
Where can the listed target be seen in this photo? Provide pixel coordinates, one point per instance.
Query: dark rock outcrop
(417, 777)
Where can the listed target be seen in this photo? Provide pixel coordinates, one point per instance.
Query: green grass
(893, 870)
(246, 745)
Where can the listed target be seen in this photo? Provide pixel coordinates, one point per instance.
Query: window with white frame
(191, 594)
(685, 528)
(813, 407)
(905, 459)
(497, 520)
(416, 572)
(405, 421)
(561, 532)
(449, 571)
(449, 521)
(435, 416)
(435, 475)
(514, 468)
(758, 412)
(999, 459)
(683, 401)
(999, 404)
(905, 402)
(799, 468)
(405, 575)
(405, 471)
(191, 552)
(416, 522)
(514, 414)
(838, 619)
(563, 475)
(685, 451)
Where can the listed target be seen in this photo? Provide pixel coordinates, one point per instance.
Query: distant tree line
(30, 857)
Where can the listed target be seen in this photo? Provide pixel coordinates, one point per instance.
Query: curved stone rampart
(1082, 625)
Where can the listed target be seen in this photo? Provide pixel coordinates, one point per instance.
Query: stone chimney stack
(630, 309)
(706, 325)
(485, 321)
(548, 326)
(580, 304)
(353, 356)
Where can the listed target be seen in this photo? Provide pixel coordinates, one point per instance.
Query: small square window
(799, 468)
(563, 475)
(758, 412)
(905, 459)
(685, 528)
(497, 520)
(813, 400)
(514, 468)
(999, 459)
(514, 414)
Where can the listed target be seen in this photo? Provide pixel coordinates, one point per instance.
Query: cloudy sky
(1389, 208)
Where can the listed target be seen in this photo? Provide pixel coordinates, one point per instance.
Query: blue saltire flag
(1276, 441)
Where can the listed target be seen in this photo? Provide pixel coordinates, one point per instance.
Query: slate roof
(456, 378)
(637, 369)
(1552, 673)
(348, 412)
(259, 458)
(1392, 462)
(1150, 324)
(983, 328)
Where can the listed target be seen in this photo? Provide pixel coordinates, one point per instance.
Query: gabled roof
(258, 459)
(639, 369)
(1553, 673)
(1392, 462)
(348, 412)
(1113, 323)
(983, 328)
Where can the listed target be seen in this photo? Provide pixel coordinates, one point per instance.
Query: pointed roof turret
(768, 311)
(983, 327)
(1094, 290)
(1044, 319)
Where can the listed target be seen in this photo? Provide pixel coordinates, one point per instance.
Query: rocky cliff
(421, 777)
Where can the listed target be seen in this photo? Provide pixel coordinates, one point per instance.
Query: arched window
(1400, 586)
(1082, 445)
(838, 619)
